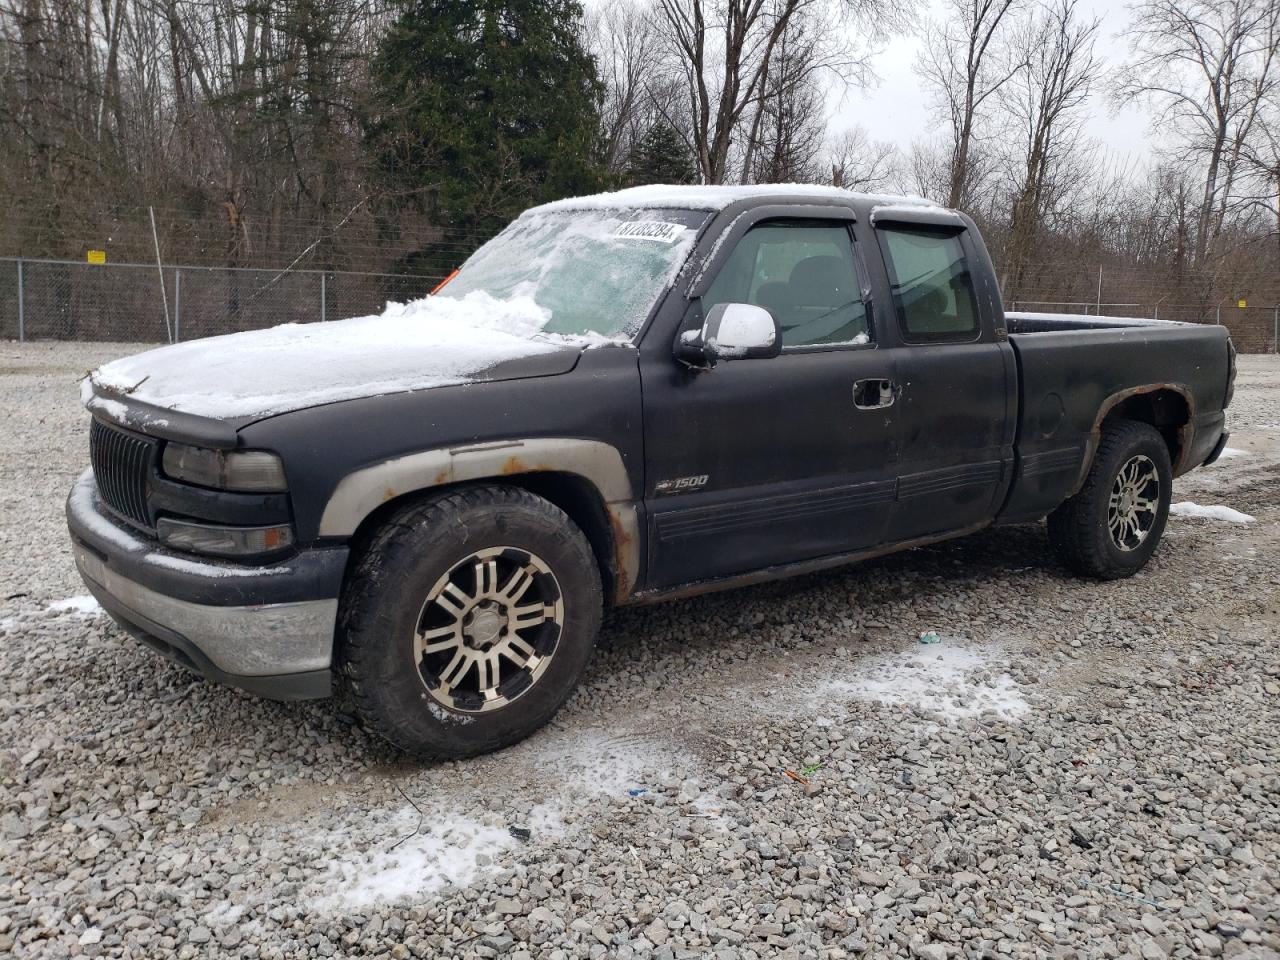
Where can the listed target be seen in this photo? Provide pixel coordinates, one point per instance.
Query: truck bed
(1022, 322)
(1074, 371)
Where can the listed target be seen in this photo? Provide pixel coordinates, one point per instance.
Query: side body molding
(362, 492)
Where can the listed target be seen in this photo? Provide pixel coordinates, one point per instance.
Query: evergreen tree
(660, 156)
(486, 107)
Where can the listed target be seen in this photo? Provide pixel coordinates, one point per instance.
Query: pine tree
(660, 156)
(486, 107)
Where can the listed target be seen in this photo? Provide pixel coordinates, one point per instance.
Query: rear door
(957, 377)
(771, 461)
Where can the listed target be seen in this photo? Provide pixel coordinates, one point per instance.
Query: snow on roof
(898, 208)
(713, 197)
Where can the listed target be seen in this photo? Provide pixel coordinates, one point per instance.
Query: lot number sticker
(656, 230)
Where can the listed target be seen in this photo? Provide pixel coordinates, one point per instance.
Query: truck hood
(244, 377)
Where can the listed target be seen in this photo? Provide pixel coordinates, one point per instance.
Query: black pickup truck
(621, 398)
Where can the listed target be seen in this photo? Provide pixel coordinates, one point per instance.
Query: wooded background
(396, 135)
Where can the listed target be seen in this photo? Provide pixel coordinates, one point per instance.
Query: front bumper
(268, 629)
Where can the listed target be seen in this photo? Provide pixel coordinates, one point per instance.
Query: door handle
(874, 394)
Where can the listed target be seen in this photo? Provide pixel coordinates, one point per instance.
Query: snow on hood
(434, 342)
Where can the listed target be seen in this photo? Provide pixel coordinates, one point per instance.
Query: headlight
(255, 471)
(218, 541)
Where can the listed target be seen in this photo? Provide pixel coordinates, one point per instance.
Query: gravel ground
(1075, 770)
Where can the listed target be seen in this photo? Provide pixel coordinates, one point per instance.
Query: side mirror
(731, 331)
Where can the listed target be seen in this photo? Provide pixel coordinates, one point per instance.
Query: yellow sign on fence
(97, 256)
(1242, 304)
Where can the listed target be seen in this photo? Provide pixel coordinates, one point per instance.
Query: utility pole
(164, 296)
(22, 306)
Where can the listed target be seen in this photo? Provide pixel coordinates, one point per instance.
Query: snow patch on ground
(606, 765)
(224, 914)
(1229, 452)
(950, 681)
(413, 849)
(435, 850)
(84, 606)
(418, 849)
(1213, 512)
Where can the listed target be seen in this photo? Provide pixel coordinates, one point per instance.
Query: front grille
(121, 464)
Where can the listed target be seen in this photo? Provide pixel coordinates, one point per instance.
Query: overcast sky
(897, 108)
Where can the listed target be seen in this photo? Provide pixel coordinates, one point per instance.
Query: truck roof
(717, 197)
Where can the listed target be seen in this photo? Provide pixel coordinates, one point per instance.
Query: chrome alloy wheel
(1134, 502)
(488, 629)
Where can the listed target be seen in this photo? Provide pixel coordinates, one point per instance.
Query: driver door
(759, 462)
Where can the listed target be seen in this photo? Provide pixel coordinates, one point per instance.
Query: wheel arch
(586, 479)
(1168, 407)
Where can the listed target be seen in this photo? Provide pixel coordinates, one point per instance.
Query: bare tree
(621, 36)
(245, 122)
(1209, 66)
(1043, 103)
(1262, 166)
(249, 107)
(859, 163)
(927, 169)
(962, 66)
(723, 58)
(724, 51)
(789, 122)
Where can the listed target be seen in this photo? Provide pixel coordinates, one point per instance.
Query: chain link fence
(1254, 329)
(70, 300)
(74, 300)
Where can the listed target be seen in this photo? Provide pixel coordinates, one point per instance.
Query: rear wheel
(468, 620)
(1110, 528)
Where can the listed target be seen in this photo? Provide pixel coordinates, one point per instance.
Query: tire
(439, 639)
(1089, 536)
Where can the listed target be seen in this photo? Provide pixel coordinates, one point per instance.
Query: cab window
(803, 273)
(931, 286)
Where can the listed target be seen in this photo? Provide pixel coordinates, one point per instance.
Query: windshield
(594, 271)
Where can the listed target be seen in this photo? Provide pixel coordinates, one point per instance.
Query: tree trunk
(1210, 194)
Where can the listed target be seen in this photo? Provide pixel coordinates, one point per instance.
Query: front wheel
(1110, 528)
(468, 620)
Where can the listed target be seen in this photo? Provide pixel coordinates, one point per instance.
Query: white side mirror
(732, 331)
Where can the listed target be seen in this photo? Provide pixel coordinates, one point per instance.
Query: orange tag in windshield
(441, 285)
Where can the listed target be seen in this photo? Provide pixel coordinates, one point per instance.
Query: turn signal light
(218, 541)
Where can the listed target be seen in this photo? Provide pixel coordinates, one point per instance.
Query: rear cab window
(932, 288)
(803, 272)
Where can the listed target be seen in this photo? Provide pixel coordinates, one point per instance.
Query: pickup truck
(622, 398)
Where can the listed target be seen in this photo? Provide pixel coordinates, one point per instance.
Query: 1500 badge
(681, 484)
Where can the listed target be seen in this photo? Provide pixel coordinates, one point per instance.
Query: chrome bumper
(278, 649)
(250, 641)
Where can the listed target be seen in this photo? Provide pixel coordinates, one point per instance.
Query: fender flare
(361, 492)
(1186, 432)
